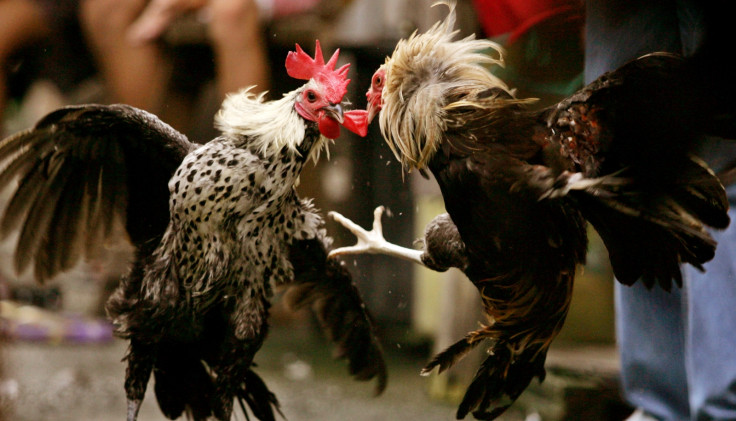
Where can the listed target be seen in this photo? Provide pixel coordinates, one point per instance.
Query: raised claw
(367, 241)
(371, 242)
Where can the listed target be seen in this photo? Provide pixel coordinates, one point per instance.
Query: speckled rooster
(520, 184)
(215, 229)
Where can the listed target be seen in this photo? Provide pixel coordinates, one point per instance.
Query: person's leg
(649, 323)
(240, 50)
(649, 327)
(135, 73)
(711, 339)
(22, 22)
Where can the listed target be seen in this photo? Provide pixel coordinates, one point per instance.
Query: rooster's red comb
(300, 65)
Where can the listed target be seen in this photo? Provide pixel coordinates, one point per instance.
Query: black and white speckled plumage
(215, 228)
(234, 214)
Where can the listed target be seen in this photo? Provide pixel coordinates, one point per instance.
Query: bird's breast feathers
(233, 215)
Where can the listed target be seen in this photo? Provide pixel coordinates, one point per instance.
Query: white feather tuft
(268, 126)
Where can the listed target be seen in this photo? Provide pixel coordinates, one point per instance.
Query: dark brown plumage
(519, 185)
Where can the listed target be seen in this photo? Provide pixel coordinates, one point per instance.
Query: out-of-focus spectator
(128, 39)
(125, 37)
(127, 43)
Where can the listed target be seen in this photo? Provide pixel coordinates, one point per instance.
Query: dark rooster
(215, 228)
(519, 186)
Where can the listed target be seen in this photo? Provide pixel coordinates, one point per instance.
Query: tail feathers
(189, 390)
(187, 387)
(451, 355)
(256, 395)
(650, 231)
(500, 380)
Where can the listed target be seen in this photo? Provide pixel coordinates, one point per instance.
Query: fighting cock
(216, 227)
(519, 186)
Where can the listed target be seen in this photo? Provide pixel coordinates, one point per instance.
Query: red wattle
(329, 127)
(356, 121)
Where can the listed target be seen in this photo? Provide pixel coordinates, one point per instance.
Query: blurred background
(59, 358)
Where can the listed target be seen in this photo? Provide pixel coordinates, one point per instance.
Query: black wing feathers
(649, 113)
(327, 286)
(81, 169)
(643, 123)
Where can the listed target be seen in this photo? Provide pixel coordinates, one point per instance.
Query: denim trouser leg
(650, 334)
(683, 344)
(711, 332)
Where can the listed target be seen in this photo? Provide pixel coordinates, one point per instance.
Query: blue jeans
(678, 349)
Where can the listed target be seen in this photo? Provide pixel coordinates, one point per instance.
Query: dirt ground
(60, 382)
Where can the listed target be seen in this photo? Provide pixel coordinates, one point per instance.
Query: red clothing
(515, 17)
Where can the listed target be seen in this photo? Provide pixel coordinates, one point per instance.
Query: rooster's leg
(372, 242)
(140, 365)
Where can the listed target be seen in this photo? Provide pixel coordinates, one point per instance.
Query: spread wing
(647, 114)
(76, 173)
(636, 130)
(326, 286)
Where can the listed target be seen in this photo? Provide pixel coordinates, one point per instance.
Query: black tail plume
(261, 401)
(451, 355)
(182, 384)
(500, 380)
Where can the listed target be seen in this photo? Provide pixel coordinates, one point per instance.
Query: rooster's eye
(377, 81)
(311, 96)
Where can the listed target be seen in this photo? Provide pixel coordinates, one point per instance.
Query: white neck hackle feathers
(267, 126)
(421, 74)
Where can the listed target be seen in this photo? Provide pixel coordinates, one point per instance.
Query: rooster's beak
(371, 112)
(373, 108)
(334, 111)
